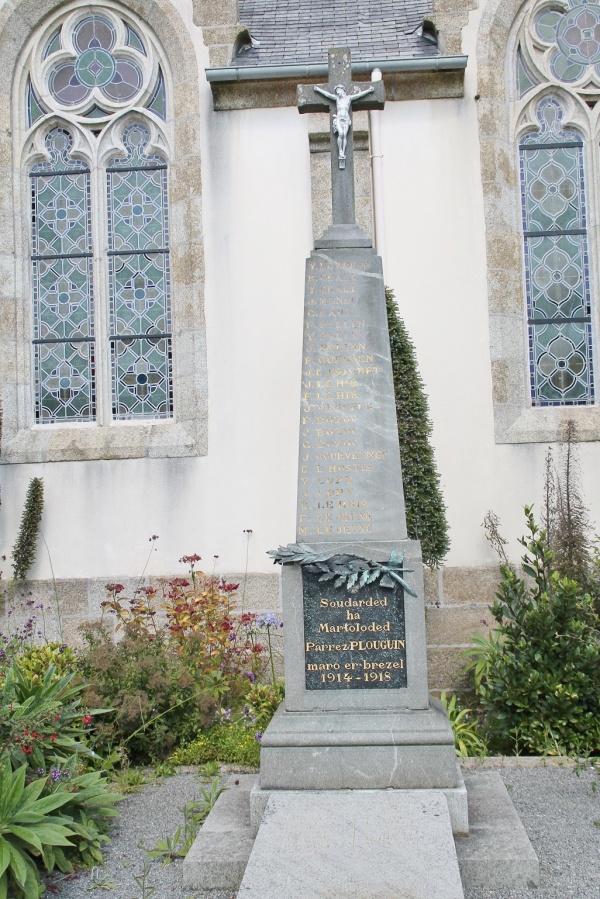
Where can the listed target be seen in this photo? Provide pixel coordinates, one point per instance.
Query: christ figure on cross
(341, 118)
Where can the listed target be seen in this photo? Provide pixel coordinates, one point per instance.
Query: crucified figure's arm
(329, 96)
(364, 93)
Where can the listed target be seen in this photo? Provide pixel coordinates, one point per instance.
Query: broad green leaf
(48, 803)
(27, 836)
(54, 834)
(15, 791)
(4, 855)
(17, 864)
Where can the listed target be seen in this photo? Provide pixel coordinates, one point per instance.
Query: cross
(339, 97)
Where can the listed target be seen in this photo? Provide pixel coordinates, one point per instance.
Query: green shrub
(29, 832)
(540, 679)
(468, 740)
(165, 679)
(42, 724)
(232, 743)
(154, 700)
(425, 509)
(35, 660)
(49, 822)
(262, 702)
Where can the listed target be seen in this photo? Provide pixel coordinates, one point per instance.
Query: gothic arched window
(97, 160)
(557, 88)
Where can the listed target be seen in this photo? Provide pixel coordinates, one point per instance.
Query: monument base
(343, 236)
(359, 750)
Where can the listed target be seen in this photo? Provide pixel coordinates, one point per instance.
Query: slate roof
(302, 31)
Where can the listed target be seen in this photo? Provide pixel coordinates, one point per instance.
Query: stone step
(497, 853)
(351, 844)
(220, 853)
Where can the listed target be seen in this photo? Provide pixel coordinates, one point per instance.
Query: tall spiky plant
(425, 509)
(568, 520)
(25, 548)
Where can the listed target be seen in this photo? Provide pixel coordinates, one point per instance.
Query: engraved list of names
(350, 480)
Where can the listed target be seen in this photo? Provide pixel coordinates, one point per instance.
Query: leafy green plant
(425, 510)
(468, 740)
(142, 879)
(24, 550)
(166, 677)
(540, 679)
(224, 742)
(36, 659)
(178, 845)
(479, 655)
(29, 832)
(98, 882)
(165, 769)
(262, 702)
(43, 724)
(130, 780)
(169, 848)
(209, 798)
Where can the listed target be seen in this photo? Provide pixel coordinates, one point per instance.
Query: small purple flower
(251, 676)
(232, 636)
(56, 774)
(269, 620)
(258, 736)
(41, 772)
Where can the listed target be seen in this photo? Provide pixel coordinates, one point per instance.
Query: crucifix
(339, 97)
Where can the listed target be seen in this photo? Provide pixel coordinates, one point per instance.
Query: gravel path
(558, 806)
(560, 809)
(146, 817)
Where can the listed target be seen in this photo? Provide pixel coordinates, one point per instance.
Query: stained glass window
(556, 261)
(99, 65)
(575, 33)
(139, 281)
(64, 356)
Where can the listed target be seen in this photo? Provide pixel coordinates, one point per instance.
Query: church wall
(256, 216)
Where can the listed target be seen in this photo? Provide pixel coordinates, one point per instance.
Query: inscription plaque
(353, 640)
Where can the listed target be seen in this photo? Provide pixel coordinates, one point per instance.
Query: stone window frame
(502, 120)
(186, 433)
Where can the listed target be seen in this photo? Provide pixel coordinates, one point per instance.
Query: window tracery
(557, 85)
(101, 181)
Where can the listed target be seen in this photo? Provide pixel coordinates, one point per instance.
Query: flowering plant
(184, 650)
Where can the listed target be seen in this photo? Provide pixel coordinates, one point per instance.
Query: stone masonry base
(457, 604)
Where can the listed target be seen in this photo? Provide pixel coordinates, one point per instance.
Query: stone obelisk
(357, 712)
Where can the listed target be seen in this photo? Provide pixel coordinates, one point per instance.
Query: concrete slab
(497, 853)
(390, 844)
(220, 853)
(455, 797)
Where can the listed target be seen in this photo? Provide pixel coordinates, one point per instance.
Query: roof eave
(319, 70)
